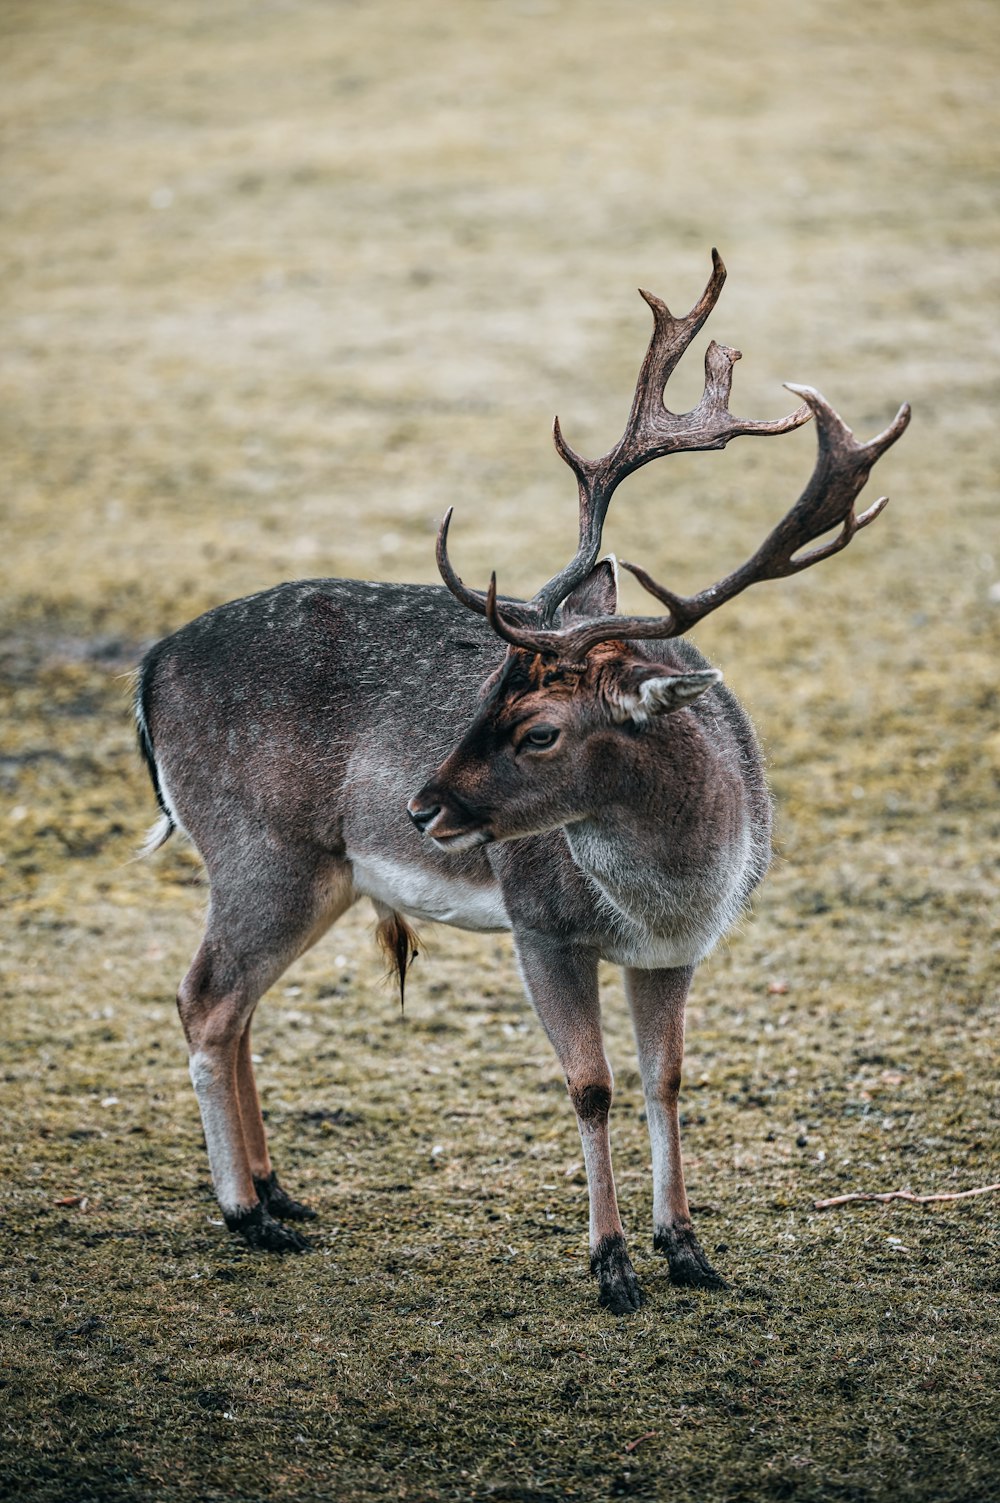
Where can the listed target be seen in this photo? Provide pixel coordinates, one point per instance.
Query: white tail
(596, 790)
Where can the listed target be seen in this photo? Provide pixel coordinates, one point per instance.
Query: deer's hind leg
(657, 1000)
(272, 1195)
(261, 917)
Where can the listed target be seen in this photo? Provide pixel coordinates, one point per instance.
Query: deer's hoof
(689, 1266)
(260, 1231)
(279, 1203)
(618, 1287)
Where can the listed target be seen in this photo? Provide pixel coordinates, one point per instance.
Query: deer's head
(553, 735)
(561, 720)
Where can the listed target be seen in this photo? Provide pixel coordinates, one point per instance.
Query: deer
(549, 767)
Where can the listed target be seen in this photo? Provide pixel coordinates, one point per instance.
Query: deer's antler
(842, 468)
(651, 432)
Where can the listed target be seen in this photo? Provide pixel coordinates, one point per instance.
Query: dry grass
(280, 282)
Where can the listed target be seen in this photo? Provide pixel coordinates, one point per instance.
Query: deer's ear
(641, 695)
(596, 596)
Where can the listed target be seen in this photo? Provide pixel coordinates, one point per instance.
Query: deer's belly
(429, 894)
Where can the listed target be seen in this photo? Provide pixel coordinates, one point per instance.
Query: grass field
(280, 282)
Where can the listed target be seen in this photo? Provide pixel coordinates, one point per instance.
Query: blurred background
(281, 281)
(284, 280)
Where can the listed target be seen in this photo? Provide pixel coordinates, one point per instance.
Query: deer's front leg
(657, 1000)
(562, 984)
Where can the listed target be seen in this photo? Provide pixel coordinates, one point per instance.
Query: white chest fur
(428, 894)
(657, 918)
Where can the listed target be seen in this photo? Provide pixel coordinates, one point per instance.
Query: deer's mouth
(461, 840)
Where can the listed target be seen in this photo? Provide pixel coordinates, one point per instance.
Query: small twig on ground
(632, 1444)
(918, 1200)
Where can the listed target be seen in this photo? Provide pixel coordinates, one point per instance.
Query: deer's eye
(539, 737)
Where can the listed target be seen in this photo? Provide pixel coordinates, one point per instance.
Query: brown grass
(281, 281)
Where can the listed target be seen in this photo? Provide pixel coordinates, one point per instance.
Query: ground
(280, 282)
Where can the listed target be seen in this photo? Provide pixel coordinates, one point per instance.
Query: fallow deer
(597, 791)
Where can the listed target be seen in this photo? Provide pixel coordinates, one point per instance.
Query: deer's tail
(164, 827)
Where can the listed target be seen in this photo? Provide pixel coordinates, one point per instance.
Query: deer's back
(264, 702)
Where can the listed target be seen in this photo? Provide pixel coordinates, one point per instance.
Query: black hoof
(280, 1203)
(689, 1266)
(618, 1287)
(260, 1231)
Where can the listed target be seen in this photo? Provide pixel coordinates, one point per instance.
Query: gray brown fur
(591, 787)
(319, 711)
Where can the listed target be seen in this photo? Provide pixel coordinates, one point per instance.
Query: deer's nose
(422, 814)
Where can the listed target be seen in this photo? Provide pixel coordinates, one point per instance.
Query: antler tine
(476, 600)
(653, 431)
(841, 470)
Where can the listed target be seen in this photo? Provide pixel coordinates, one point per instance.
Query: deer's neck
(671, 872)
(633, 860)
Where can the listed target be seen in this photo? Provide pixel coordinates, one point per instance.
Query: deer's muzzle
(447, 821)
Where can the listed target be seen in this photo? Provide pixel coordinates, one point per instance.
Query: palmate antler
(652, 431)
